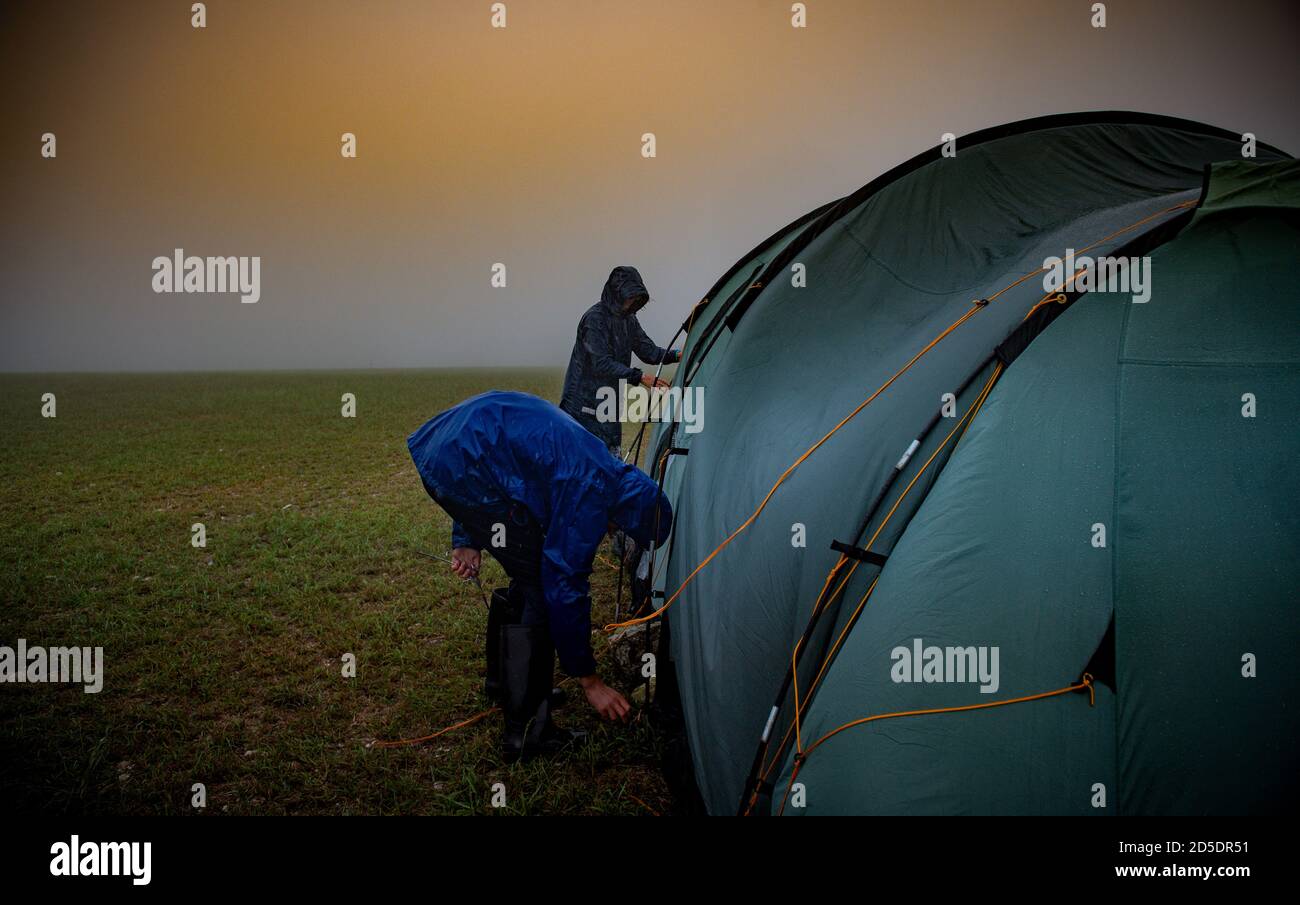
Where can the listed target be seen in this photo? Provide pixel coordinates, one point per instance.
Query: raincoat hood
(641, 510)
(624, 283)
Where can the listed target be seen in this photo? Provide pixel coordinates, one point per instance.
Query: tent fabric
(1208, 557)
(991, 543)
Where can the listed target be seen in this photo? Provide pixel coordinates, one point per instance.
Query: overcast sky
(519, 145)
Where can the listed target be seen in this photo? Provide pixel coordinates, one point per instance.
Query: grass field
(223, 664)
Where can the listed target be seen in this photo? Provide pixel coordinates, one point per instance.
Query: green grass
(223, 664)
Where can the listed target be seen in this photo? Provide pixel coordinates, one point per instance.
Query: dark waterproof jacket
(500, 449)
(602, 352)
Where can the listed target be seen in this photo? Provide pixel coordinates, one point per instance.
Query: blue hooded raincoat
(499, 449)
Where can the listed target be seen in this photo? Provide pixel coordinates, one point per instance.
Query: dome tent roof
(927, 282)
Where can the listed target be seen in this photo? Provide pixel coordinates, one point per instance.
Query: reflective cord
(1084, 683)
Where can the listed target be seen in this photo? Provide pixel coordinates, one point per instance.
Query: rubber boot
(505, 609)
(556, 698)
(527, 667)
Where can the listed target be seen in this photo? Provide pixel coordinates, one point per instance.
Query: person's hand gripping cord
(465, 562)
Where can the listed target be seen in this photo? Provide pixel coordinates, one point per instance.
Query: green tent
(1039, 548)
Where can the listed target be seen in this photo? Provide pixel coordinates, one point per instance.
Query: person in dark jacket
(524, 481)
(608, 334)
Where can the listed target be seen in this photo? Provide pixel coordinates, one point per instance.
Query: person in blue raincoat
(608, 334)
(524, 481)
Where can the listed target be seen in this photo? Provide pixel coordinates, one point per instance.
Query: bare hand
(650, 380)
(465, 562)
(604, 700)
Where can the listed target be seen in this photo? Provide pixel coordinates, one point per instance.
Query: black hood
(624, 283)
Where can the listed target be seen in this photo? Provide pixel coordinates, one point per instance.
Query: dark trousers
(520, 557)
(610, 432)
